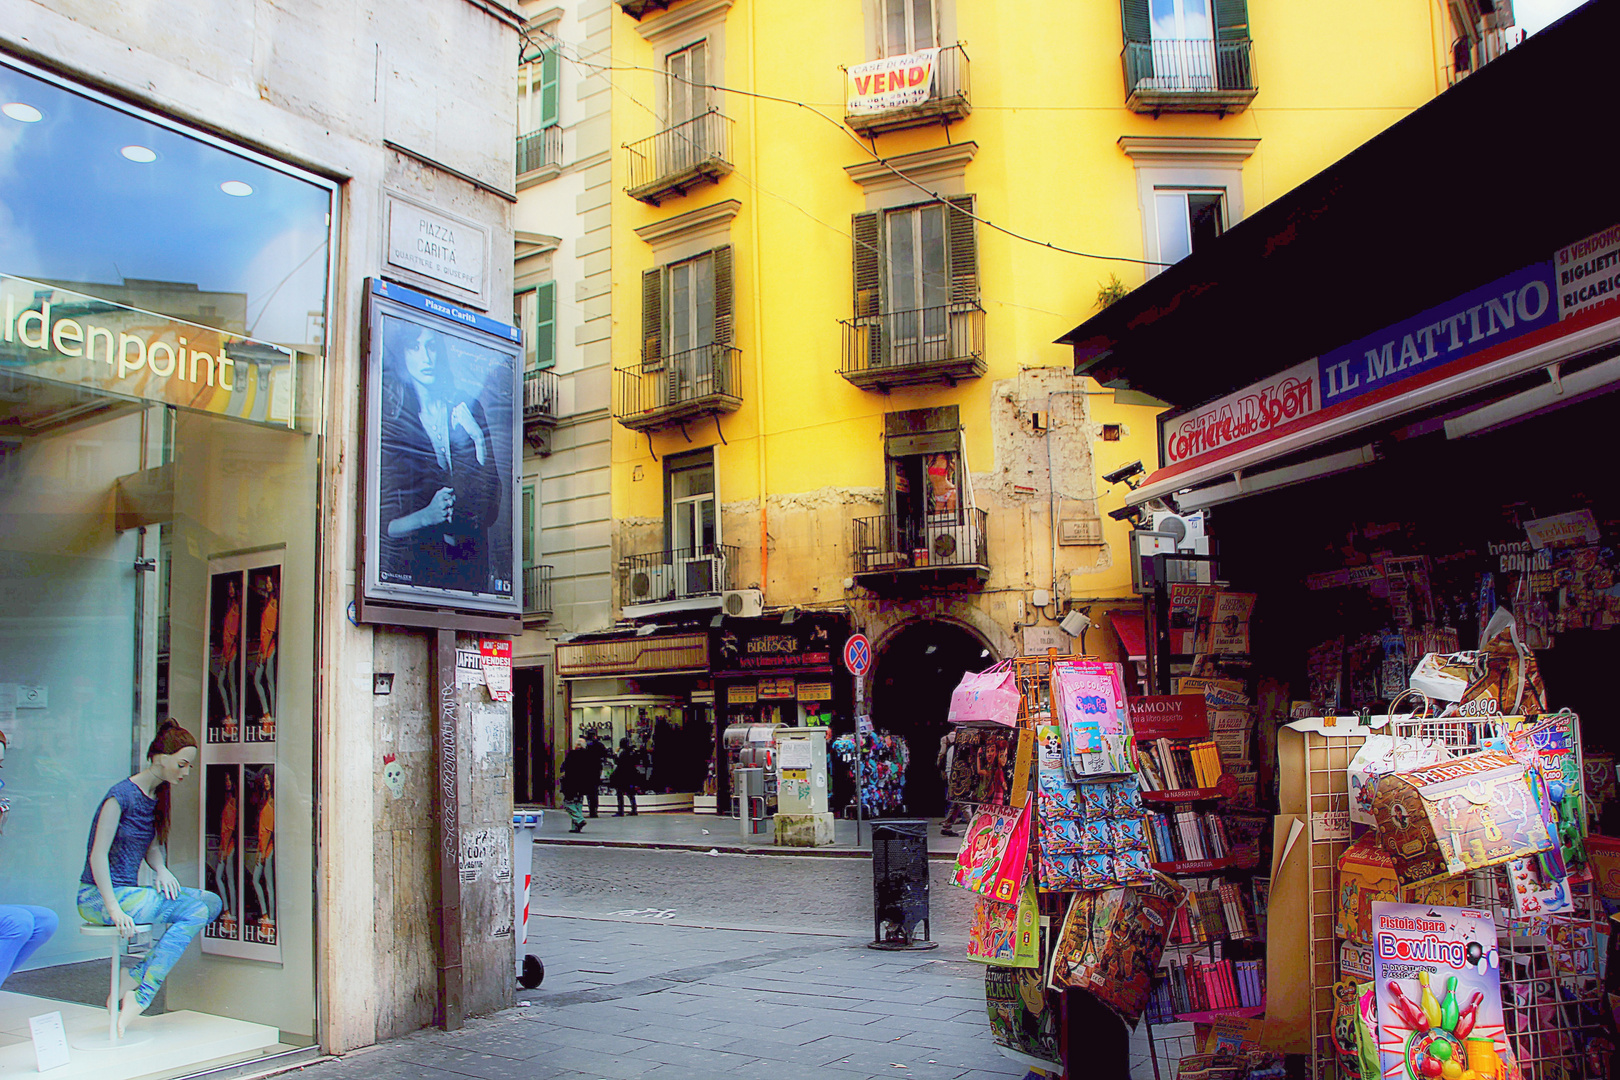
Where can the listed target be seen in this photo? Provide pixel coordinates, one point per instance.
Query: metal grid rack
(1551, 995)
(1327, 792)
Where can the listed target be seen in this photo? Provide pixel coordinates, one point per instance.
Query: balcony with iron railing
(1188, 75)
(537, 592)
(539, 150)
(649, 395)
(679, 577)
(948, 99)
(680, 158)
(540, 389)
(907, 348)
(945, 548)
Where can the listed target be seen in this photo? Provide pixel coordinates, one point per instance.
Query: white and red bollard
(525, 823)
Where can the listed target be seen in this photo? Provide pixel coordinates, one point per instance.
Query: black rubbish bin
(900, 885)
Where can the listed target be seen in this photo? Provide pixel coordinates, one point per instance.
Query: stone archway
(917, 665)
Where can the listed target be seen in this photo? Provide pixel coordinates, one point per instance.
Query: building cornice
(1151, 149)
(667, 23)
(922, 166)
(689, 223)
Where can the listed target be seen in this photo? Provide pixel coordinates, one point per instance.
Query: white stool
(97, 930)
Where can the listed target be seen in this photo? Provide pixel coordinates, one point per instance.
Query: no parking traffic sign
(858, 654)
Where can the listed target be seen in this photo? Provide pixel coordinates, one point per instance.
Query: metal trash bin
(900, 885)
(525, 823)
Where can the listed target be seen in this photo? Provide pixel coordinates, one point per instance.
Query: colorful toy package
(1439, 999)
(1089, 701)
(1367, 876)
(1112, 940)
(1093, 833)
(994, 853)
(1552, 746)
(1005, 935)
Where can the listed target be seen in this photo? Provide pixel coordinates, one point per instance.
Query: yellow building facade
(844, 237)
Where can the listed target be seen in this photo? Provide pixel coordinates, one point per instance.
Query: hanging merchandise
(1023, 1017)
(1443, 676)
(1551, 746)
(1367, 877)
(1111, 943)
(991, 765)
(1507, 679)
(1090, 706)
(1439, 995)
(882, 762)
(1460, 815)
(987, 696)
(1383, 754)
(994, 853)
(1004, 934)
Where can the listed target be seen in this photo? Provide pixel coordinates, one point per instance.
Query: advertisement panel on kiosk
(443, 435)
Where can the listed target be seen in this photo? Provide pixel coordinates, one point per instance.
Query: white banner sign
(895, 82)
(1589, 272)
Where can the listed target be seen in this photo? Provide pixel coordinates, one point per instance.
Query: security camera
(1126, 513)
(1124, 473)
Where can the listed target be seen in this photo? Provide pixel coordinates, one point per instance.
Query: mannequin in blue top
(132, 826)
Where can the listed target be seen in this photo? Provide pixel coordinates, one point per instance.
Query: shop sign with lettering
(815, 691)
(765, 645)
(63, 336)
(776, 689)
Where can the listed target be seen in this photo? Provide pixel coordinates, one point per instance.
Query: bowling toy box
(1459, 815)
(1439, 999)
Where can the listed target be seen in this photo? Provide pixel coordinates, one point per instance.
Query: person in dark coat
(627, 775)
(601, 755)
(580, 769)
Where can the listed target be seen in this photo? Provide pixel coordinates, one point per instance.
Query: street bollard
(525, 823)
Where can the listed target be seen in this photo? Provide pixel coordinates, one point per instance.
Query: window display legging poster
(238, 834)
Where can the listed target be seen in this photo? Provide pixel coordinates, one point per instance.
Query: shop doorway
(911, 693)
(531, 742)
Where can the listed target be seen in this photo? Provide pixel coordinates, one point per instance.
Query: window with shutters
(916, 293)
(688, 362)
(538, 114)
(1187, 55)
(536, 316)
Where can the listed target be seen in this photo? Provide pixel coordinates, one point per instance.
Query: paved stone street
(678, 965)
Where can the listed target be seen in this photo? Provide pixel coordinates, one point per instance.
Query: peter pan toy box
(1459, 815)
(1439, 999)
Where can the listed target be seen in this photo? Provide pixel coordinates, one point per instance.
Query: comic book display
(1004, 934)
(1112, 940)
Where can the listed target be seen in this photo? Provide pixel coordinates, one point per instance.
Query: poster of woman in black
(263, 633)
(441, 492)
(225, 658)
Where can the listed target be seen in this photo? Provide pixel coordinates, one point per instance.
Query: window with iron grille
(686, 320)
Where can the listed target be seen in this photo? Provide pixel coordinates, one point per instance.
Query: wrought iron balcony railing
(540, 396)
(681, 157)
(1188, 75)
(536, 590)
(925, 345)
(538, 149)
(899, 543)
(679, 574)
(949, 98)
(696, 382)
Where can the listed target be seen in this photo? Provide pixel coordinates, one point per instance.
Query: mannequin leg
(186, 915)
(23, 929)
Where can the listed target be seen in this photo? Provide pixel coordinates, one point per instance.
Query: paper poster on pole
(496, 659)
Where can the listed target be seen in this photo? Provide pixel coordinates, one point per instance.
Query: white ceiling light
(22, 112)
(140, 154)
(236, 187)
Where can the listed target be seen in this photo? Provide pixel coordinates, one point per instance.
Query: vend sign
(1415, 352)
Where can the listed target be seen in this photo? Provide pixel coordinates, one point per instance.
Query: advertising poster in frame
(237, 837)
(442, 464)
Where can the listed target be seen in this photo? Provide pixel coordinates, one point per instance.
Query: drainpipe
(759, 322)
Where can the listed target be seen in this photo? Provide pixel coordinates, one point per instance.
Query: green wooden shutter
(652, 319)
(962, 256)
(1232, 63)
(528, 526)
(545, 325)
(550, 63)
(724, 321)
(1138, 26)
(867, 229)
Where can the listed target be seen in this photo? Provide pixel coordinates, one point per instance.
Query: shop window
(535, 312)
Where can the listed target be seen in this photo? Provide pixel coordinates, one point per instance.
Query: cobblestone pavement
(673, 965)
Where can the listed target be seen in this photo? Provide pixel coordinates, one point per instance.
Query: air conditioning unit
(742, 603)
(702, 576)
(1188, 533)
(650, 584)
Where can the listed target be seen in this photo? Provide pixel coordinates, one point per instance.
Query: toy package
(991, 765)
(1439, 999)
(1092, 833)
(1367, 875)
(994, 853)
(1464, 814)
(1111, 943)
(1005, 935)
(1382, 754)
(1551, 746)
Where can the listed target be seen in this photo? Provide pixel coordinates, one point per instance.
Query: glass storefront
(162, 324)
(676, 737)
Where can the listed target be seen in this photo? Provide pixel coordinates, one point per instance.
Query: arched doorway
(911, 693)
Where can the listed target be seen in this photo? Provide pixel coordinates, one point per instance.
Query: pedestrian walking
(580, 769)
(627, 775)
(601, 755)
(954, 811)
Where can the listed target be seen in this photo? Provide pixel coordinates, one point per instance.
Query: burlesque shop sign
(1445, 340)
(69, 337)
